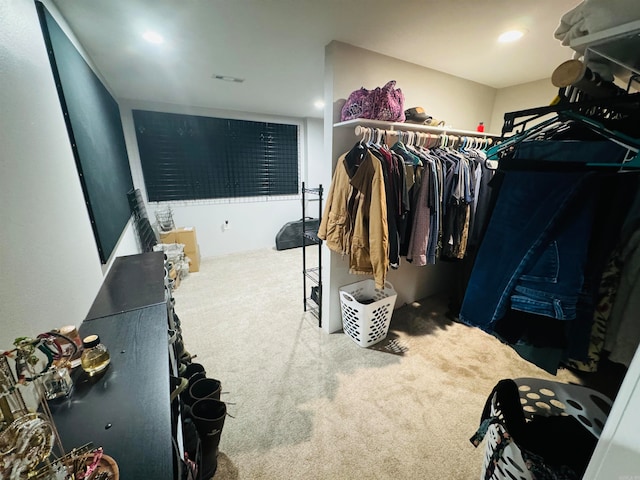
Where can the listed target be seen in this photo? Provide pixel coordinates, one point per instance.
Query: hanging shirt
(417, 251)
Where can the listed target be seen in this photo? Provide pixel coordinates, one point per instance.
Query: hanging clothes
(536, 279)
(622, 335)
(623, 330)
(393, 181)
(354, 221)
(412, 167)
(336, 224)
(439, 223)
(419, 238)
(385, 203)
(520, 259)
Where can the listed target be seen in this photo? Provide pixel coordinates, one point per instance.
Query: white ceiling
(278, 45)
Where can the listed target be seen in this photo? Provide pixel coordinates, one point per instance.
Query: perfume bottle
(72, 351)
(57, 382)
(95, 356)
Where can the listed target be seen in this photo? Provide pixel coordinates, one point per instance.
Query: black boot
(205, 388)
(208, 416)
(191, 369)
(202, 392)
(191, 443)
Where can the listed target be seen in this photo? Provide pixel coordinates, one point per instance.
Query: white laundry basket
(543, 397)
(366, 311)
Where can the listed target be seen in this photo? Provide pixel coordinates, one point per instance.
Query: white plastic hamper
(543, 397)
(366, 311)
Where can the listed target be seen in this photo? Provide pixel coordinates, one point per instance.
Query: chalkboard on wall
(95, 131)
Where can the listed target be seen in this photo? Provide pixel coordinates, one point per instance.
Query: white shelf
(413, 127)
(618, 46)
(606, 36)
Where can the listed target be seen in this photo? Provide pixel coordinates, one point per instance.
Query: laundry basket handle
(348, 297)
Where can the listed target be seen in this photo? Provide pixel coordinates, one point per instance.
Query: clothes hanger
(370, 138)
(494, 152)
(378, 138)
(632, 159)
(384, 140)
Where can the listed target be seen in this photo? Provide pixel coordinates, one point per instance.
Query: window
(187, 157)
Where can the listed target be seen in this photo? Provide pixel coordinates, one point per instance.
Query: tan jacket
(335, 226)
(358, 228)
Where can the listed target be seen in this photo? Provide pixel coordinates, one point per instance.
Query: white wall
(253, 222)
(617, 455)
(520, 97)
(316, 173)
(461, 103)
(50, 266)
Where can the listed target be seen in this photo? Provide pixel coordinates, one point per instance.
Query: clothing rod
(361, 130)
(414, 127)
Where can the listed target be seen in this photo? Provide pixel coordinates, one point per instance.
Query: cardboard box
(184, 235)
(194, 260)
(168, 237)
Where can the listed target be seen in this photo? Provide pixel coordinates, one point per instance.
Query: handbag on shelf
(382, 103)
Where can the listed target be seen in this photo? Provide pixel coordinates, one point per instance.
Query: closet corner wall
(459, 102)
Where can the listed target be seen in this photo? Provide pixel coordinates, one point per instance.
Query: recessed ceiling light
(319, 104)
(511, 36)
(153, 37)
(227, 78)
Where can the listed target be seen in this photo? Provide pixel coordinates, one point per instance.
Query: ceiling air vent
(227, 78)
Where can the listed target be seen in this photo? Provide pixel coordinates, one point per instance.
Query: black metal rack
(312, 276)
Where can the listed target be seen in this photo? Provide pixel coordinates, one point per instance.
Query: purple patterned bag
(384, 103)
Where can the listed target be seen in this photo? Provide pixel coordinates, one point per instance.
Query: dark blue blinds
(188, 157)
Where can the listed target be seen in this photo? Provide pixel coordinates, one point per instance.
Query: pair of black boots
(204, 415)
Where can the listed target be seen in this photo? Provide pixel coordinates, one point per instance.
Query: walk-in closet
(320, 240)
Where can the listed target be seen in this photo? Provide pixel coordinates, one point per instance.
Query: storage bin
(542, 397)
(366, 311)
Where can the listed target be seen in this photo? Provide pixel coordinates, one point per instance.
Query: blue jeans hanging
(532, 255)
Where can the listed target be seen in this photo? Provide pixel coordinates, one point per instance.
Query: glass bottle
(71, 333)
(95, 356)
(57, 382)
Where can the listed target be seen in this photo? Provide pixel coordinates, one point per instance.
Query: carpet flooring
(308, 405)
